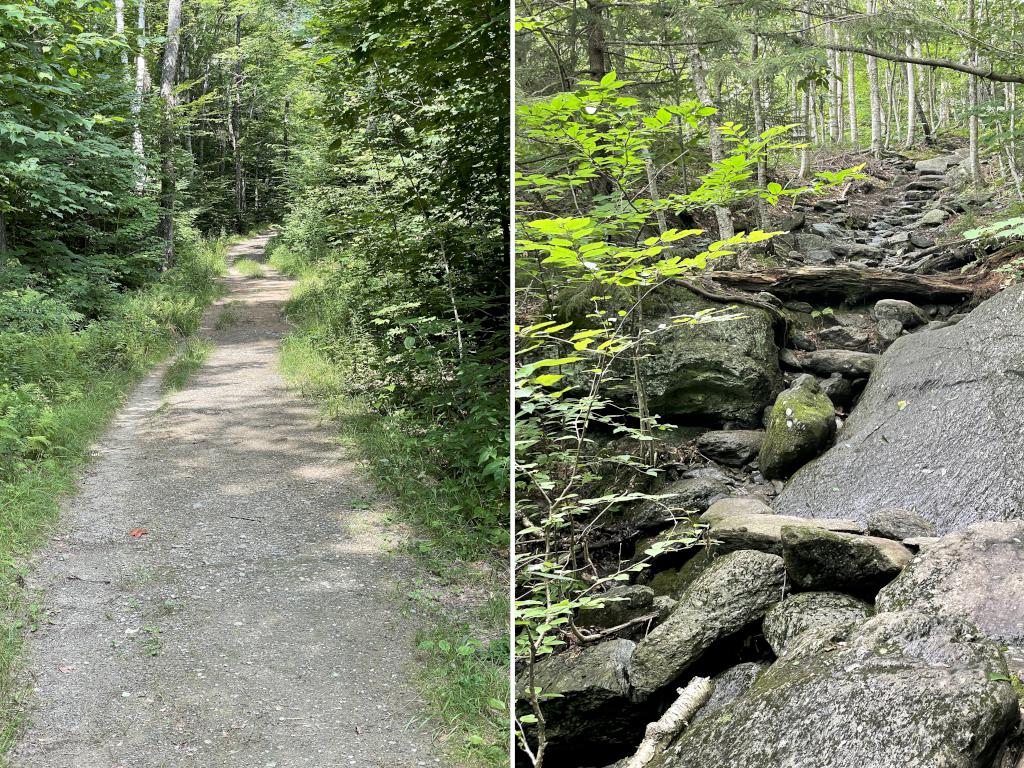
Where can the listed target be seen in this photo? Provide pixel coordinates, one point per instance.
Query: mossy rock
(800, 427)
(720, 371)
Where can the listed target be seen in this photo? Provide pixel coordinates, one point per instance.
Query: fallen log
(847, 282)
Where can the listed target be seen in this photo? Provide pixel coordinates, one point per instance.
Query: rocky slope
(853, 450)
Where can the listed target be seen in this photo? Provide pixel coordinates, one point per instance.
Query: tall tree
(168, 76)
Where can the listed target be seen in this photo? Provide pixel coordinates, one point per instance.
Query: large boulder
(937, 431)
(591, 706)
(730, 595)
(820, 559)
(976, 574)
(726, 370)
(906, 690)
(786, 621)
(736, 523)
(800, 426)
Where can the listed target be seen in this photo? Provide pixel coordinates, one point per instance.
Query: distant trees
(881, 74)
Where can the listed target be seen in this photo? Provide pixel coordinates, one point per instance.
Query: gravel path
(254, 622)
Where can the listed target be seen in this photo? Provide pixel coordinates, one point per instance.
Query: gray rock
(664, 605)
(799, 613)
(687, 496)
(976, 574)
(905, 312)
(795, 221)
(921, 241)
(934, 185)
(933, 218)
(819, 256)
(898, 524)
(727, 370)
(936, 164)
(838, 390)
(733, 593)
(829, 231)
(845, 337)
(800, 427)
(672, 582)
(906, 690)
(729, 686)
(594, 690)
(732, 447)
(621, 604)
(739, 523)
(937, 430)
(844, 361)
(790, 359)
(820, 559)
(894, 315)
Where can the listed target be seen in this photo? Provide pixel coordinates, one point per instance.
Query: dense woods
(138, 137)
(725, 213)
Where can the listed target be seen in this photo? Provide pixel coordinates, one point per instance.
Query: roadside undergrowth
(186, 363)
(60, 384)
(461, 603)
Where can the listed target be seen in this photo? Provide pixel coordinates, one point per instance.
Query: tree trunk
(722, 213)
(168, 73)
(597, 53)
(911, 100)
(851, 96)
(846, 282)
(119, 28)
(874, 96)
(755, 98)
(141, 76)
(973, 162)
(835, 98)
(236, 128)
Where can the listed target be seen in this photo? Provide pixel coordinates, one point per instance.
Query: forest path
(254, 623)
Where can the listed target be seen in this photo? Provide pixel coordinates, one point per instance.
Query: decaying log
(664, 729)
(847, 282)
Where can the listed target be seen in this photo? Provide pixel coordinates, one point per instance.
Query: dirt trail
(254, 623)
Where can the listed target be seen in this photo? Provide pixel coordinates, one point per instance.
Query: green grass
(249, 268)
(463, 651)
(79, 380)
(227, 317)
(186, 364)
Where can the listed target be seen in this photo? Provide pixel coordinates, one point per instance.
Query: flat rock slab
(739, 523)
(936, 432)
(821, 559)
(906, 690)
(976, 574)
(254, 623)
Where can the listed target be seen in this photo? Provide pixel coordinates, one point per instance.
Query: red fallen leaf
(137, 533)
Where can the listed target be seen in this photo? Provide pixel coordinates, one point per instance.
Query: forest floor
(222, 589)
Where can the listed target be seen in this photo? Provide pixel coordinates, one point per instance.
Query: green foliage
(1006, 229)
(249, 268)
(466, 679)
(186, 363)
